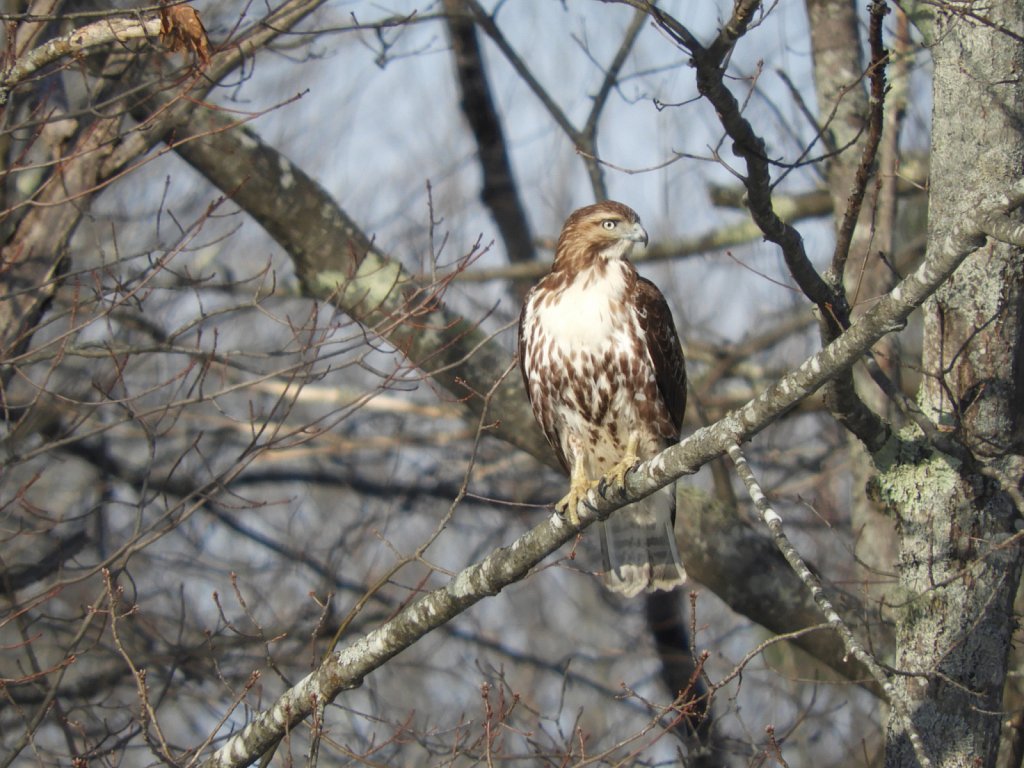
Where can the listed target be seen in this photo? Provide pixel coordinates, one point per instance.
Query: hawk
(606, 378)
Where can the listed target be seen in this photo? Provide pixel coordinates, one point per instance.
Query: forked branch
(853, 646)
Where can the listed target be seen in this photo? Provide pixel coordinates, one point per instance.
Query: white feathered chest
(591, 379)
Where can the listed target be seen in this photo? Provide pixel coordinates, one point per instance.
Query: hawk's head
(604, 231)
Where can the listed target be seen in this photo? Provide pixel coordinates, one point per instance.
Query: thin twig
(876, 70)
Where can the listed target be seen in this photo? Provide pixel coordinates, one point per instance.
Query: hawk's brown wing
(663, 344)
(521, 344)
(638, 542)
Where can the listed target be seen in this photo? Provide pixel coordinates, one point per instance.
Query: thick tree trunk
(956, 619)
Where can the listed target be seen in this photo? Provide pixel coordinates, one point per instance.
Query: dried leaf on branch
(181, 30)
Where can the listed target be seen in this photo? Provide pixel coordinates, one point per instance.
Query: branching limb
(487, 24)
(347, 668)
(751, 149)
(680, 668)
(788, 208)
(147, 716)
(889, 313)
(499, 193)
(584, 140)
(49, 698)
(737, 562)
(34, 252)
(994, 219)
(842, 397)
(611, 78)
(742, 15)
(157, 120)
(336, 261)
(865, 169)
(76, 42)
(813, 583)
(827, 295)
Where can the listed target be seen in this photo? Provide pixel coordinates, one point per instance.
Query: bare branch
(611, 78)
(873, 138)
(384, 297)
(110, 30)
(578, 138)
(789, 208)
(772, 519)
(499, 193)
(750, 147)
(336, 261)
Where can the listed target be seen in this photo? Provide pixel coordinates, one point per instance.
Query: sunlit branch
(75, 43)
(788, 208)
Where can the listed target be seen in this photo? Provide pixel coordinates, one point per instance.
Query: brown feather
(663, 345)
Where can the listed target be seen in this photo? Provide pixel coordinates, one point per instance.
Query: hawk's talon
(616, 476)
(568, 505)
(579, 487)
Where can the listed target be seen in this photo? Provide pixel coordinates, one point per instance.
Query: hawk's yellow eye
(609, 223)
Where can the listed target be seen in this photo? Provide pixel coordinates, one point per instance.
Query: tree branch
(33, 255)
(872, 141)
(813, 583)
(788, 208)
(579, 139)
(747, 145)
(844, 402)
(499, 192)
(337, 262)
(76, 42)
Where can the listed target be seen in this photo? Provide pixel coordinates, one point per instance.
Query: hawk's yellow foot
(616, 476)
(579, 487)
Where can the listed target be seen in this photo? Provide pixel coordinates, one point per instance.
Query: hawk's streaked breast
(584, 360)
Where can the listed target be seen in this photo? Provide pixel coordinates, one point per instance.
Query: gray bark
(842, 100)
(958, 566)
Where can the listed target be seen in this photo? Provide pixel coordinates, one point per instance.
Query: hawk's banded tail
(638, 545)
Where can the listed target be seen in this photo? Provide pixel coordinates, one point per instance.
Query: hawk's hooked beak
(637, 234)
